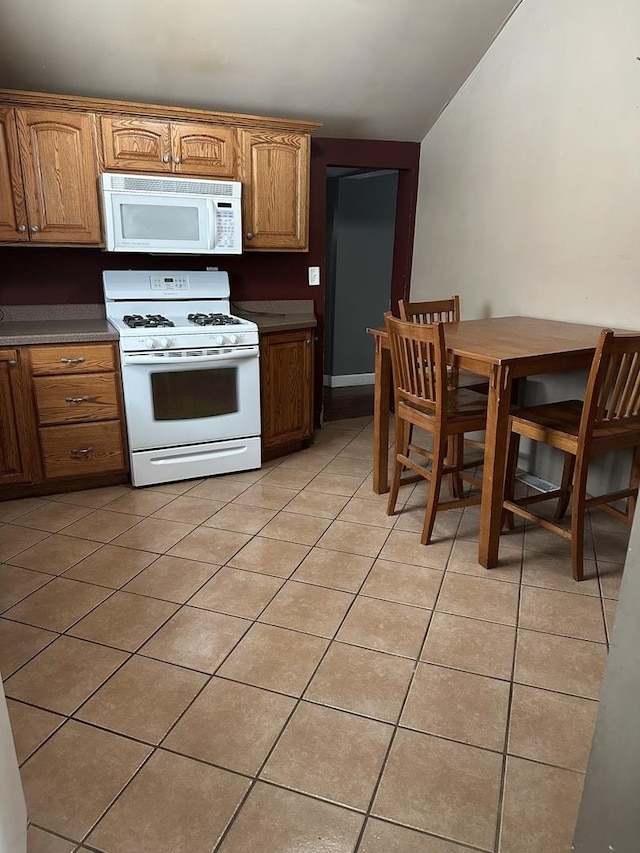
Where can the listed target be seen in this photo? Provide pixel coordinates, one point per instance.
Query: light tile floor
(266, 662)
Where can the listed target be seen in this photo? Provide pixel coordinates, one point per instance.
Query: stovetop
(157, 321)
(173, 310)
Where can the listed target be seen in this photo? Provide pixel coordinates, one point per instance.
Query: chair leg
(401, 446)
(455, 457)
(565, 486)
(510, 477)
(579, 493)
(433, 498)
(634, 482)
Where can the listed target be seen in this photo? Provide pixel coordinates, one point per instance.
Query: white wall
(529, 198)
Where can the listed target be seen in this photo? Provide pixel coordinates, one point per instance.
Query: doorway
(362, 155)
(360, 237)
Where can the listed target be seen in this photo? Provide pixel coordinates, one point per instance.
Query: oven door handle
(159, 360)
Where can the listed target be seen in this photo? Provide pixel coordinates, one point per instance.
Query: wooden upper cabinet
(203, 149)
(136, 144)
(60, 173)
(275, 177)
(13, 215)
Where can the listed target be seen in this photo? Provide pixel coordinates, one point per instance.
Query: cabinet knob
(166, 158)
(79, 360)
(76, 399)
(21, 228)
(177, 159)
(249, 235)
(10, 361)
(34, 228)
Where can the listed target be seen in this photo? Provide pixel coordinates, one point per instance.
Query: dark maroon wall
(42, 276)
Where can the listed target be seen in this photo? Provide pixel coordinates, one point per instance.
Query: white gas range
(190, 374)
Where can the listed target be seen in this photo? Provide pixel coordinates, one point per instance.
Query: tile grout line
(505, 750)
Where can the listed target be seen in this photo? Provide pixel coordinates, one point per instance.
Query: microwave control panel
(227, 225)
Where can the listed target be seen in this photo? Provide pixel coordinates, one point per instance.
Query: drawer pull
(79, 360)
(77, 399)
(81, 453)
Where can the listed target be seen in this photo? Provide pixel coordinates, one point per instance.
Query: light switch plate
(314, 276)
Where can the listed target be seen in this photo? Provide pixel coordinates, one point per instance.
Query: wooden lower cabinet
(286, 390)
(79, 450)
(15, 450)
(61, 421)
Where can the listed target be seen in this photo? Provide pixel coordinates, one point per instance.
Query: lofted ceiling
(373, 69)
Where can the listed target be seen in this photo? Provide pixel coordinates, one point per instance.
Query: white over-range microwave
(163, 214)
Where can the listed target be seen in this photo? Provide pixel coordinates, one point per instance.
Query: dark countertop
(24, 332)
(283, 323)
(278, 315)
(64, 324)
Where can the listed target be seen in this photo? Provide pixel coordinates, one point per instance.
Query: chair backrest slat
(634, 396)
(631, 387)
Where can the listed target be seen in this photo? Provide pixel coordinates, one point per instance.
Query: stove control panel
(182, 341)
(169, 283)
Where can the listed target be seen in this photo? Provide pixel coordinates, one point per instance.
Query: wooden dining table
(503, 349)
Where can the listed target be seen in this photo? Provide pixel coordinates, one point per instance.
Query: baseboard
(349, 379)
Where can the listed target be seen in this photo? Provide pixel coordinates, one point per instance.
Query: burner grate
(213, 320)
(150, 321)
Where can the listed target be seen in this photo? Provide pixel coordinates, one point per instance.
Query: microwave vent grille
(133, 183)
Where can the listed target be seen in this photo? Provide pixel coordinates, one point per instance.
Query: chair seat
(464, 408)
(555, 422)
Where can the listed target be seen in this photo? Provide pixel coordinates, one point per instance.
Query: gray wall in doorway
(362, 249)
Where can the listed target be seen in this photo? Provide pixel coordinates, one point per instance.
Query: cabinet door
(275, 176)
(286, 387)
(136, 144)
(13, 457)
(203, 149)
(60, 171)
(13, 215)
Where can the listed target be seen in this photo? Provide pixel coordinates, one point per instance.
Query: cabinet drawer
(81, 449)
(72, 358)
(68, 399)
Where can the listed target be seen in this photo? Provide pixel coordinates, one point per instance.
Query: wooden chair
(424, 399)
(446, 311)
(609, 419)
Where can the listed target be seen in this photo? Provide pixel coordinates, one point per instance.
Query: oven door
(182, 397)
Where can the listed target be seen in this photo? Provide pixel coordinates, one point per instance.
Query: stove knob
(164, 342)
(218, 340)
(149, 343)
(233, 339)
